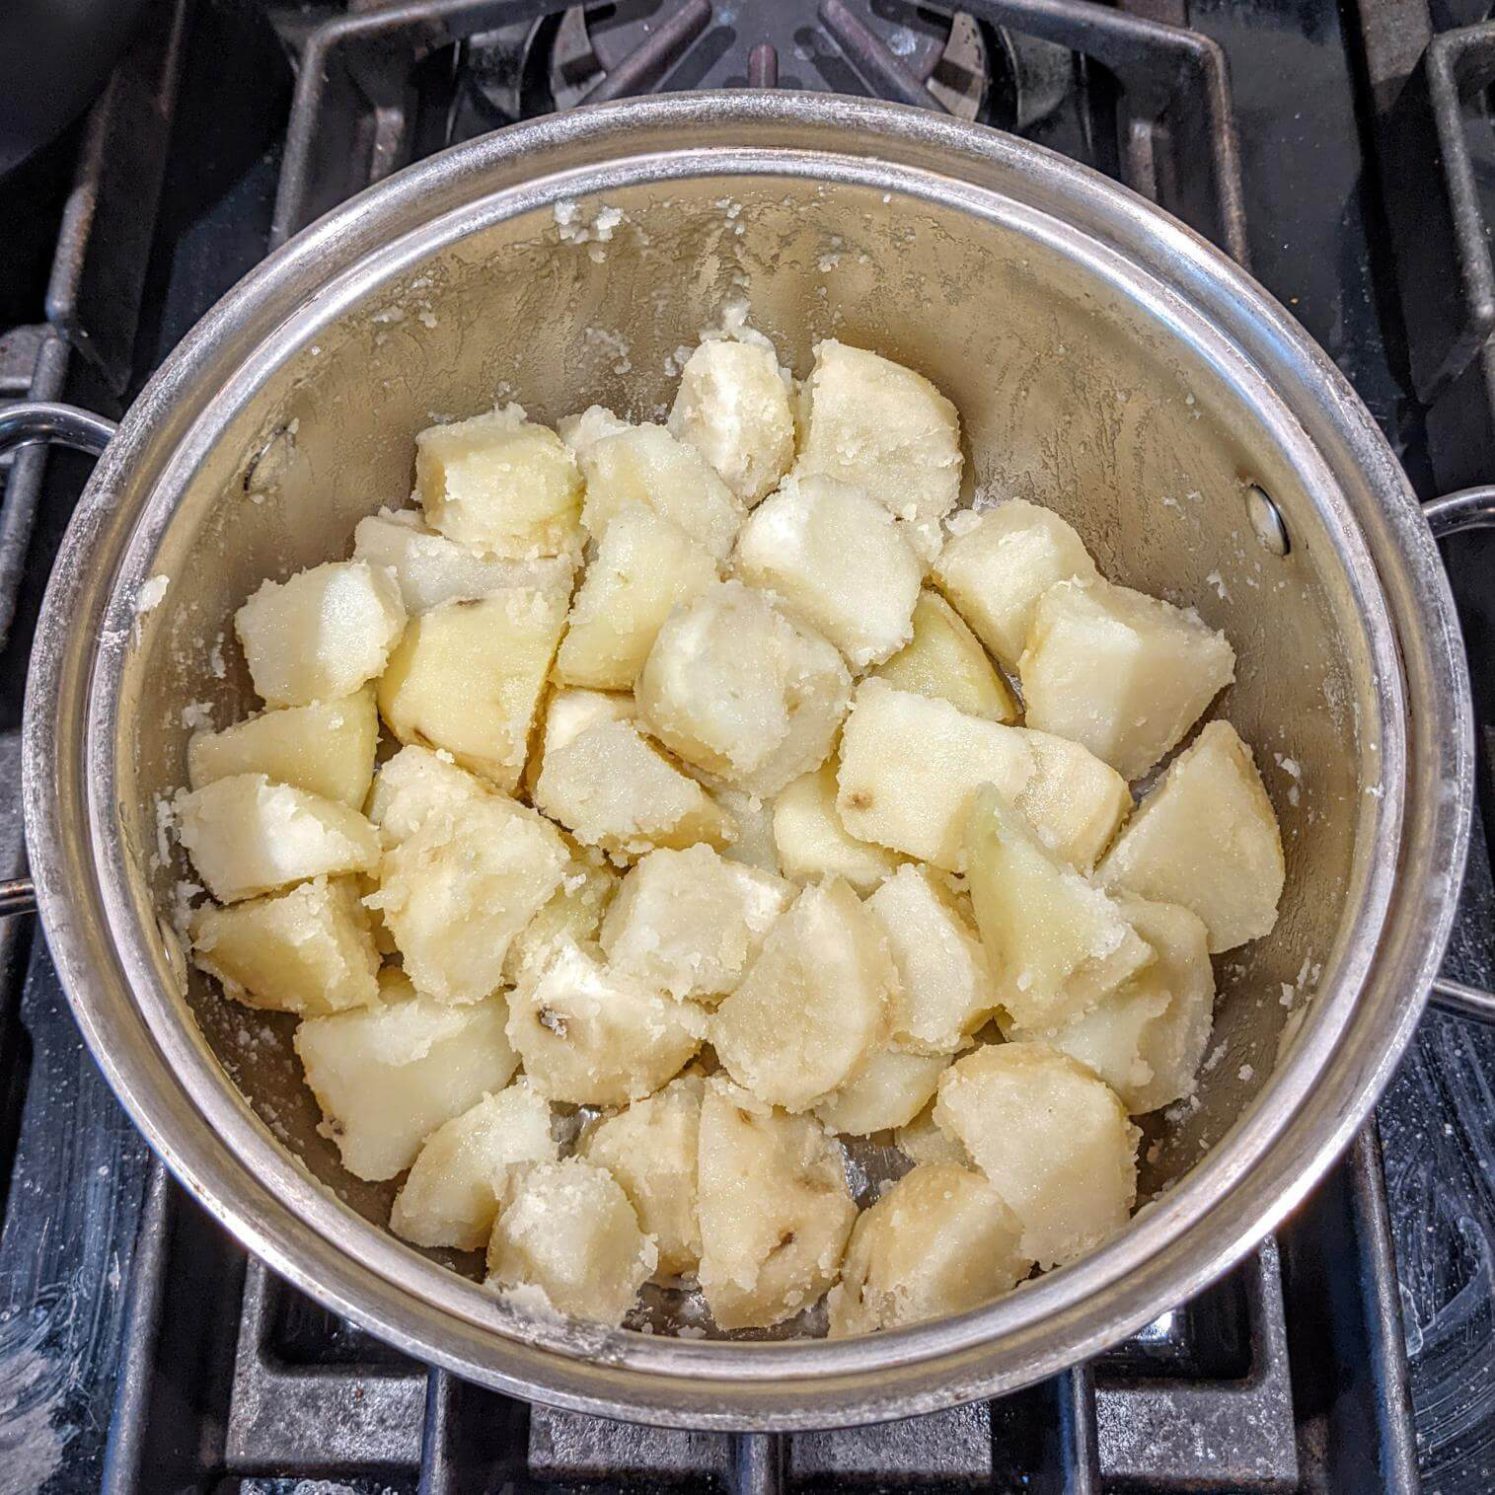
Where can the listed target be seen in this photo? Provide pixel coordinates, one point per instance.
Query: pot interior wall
(1070, 394)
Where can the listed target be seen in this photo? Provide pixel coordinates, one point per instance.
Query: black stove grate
(140, 1349)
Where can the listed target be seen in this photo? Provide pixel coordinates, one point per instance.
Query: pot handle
(68, 425)
(1469, 508)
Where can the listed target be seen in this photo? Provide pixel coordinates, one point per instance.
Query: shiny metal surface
(1106, 361)
(38, 420)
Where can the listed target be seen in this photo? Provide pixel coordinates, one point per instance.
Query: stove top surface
(139, 1349)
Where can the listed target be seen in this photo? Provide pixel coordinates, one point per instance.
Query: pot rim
(1320, 1092)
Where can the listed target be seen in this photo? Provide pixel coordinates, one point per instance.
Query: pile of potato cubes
(701, 812)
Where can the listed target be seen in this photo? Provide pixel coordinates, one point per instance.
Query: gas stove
(1347, 154)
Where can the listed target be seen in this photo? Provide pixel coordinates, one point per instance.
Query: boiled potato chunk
(247, 836)
(467, 677)
(889, 1090)
(836, 558)
(1053, 1140)
(458, 890)
(430, 569)
(326, 748)
(814, 1005)
(945, 989)
(611, 787)
(499, 483)
(773, 1207)
(887, 430)
(945, 659)
(740, 691)
(574, 912)
(386, 1077)
(646, 465)
(922, 1141)
(568, 1229)
(1121, 673)
(452, 1194)
(320, 634)
(811, 842)
(1206, 837)
(689, 922)
(1147, 1038)
(651, 1150)
(644, 567)
(732, 406)
(997, 564)
(940, 1241)
(310, 951)
(909, 765)
(567, 714)
(1056, 944)
(593, 1036)
(581, 432)
(415, 785)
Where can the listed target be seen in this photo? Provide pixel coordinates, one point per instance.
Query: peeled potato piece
(1123, 674)
(429, 569)
(732, 406)
(581, 432)
(812, 842)
(1053, 1139)
(997, 564)
(452, 1193)
(940, 1241)
(567, 713)
(743, 693)
(611, 787)
(646, 465)
(1147, 1038)
(499, 483)
(467, 677)
(923, 1142)
(416, 784)
(945, 659)
(310, 951)
(945, 989)
(689, 921)
(887, 430)
(813, 1006)
(644, 567)
(909, 765)
(651, 1150)
(592, 1036)
(458, 890)
(773, 1207)
(386, 1077)
(1206, 837)
(568, 1229)
(326, 748)
(836, 558)
(247, 836)
(1056, 944)
(574, 912)
(889, 1090)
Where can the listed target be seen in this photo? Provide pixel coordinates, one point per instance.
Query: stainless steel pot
(1105, 360)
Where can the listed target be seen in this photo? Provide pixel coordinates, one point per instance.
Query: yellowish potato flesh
(573, 913)
(321, 634)
(812, 843)
(1053, 1140)
(889, 1090)
(325, 748)
(468, 675)
(568, 1230)
(921, 1141)
(1123, 674)
(773, 1207)
(813, 1007)
(500, 484)
(1206, 838)
(651, 1149)
(387, 1076)
(945, 659)
(416, 784)
(309, 951)
(995, 565)
(940, 1241)
(451, 1195)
